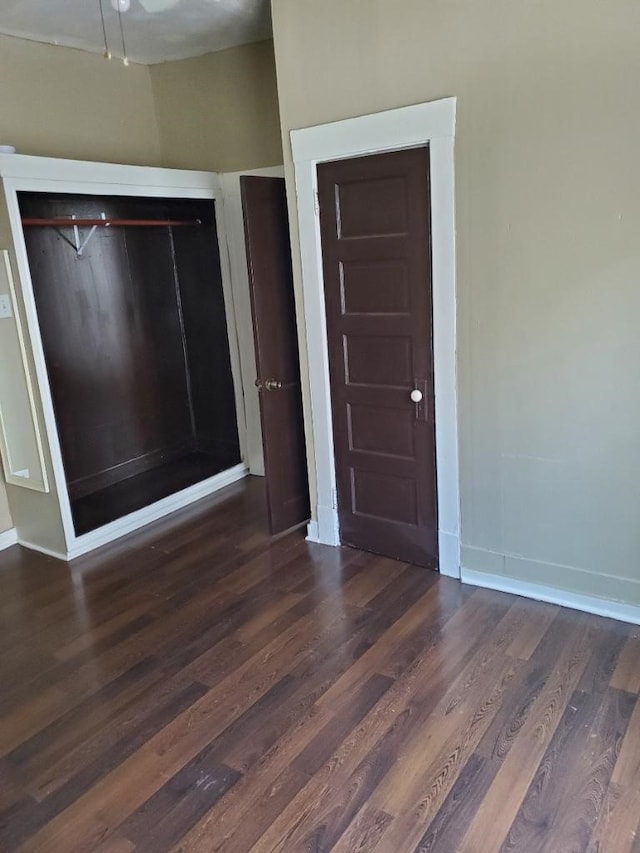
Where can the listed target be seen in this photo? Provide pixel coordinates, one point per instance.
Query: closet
(130, 307)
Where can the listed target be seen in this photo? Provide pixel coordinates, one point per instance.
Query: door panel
(377, 360)
(376, 248)
(361, 214)
(375, 288)
(274, 324)
(376, 430)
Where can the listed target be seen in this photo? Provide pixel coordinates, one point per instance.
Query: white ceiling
(186, 28)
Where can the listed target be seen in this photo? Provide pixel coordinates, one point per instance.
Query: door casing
(431, 124)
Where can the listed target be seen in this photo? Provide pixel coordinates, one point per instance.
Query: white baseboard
(8, 538)
(47, 551)
(313, 535)
(328, 526)
(448, 554)
(146, 515)
(574, 600)
(154, 512)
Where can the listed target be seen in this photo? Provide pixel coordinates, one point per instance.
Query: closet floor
(120, 499)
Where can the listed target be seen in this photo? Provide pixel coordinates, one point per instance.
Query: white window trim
(431, 124)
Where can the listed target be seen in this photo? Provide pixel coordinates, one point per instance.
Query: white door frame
(431, 124)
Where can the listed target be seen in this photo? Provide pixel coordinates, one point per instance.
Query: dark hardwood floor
(199, 687)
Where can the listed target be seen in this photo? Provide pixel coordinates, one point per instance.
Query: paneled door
(376, 249)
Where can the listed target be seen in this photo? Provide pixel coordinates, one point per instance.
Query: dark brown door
(266, 225)
(376, 247)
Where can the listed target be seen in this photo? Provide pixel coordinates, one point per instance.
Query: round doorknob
(272, 384)
(416, 396)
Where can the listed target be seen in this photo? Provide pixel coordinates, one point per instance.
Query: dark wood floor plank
(243, 742)
(431, 760)
(432, 756)
(616, 829)
(460, 629)
(263, 566)
(25, 721)
(627, 673)
(250, 800)
(157, 702)
(333, 797)
(65, 616)
(141, 775)
(11, 792)
(245, 685)
(81, 722)
(311, 678)
(329, 738)
(76, 677)
(536, 619)
(200, 687)
(454, 817)
(609, 639)
(567, 793)
(506, 792)
(86, 767)
(225, 835)
(330, 640)
(157, 824)
(325, 806)
(25, 660)
(96, 814)
(372, 582)
(127, 621)
(261, 794)
(115, 844)
(365, 832)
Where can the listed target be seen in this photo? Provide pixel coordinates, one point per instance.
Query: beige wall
(58, 102)
(548, 217)
(219, 111)
(5, 515)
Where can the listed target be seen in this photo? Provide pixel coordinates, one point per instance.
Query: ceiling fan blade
(153, 6)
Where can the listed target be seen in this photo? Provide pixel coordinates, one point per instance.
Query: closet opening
(136, 346)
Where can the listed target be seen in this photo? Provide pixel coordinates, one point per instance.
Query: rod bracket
(78, 244)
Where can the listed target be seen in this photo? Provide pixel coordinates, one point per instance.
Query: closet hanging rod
(106, 223)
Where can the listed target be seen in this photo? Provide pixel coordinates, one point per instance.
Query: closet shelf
(106, 223)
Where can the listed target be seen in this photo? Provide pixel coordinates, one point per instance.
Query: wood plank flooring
(200, 687)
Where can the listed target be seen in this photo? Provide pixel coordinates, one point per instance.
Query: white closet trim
(43, 174)
(8, 538)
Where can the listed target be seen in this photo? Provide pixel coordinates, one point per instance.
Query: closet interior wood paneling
(136, 347)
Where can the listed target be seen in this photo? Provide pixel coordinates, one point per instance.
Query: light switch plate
(5, 306)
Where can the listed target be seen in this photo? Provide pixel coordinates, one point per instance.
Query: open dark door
(274, 327)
